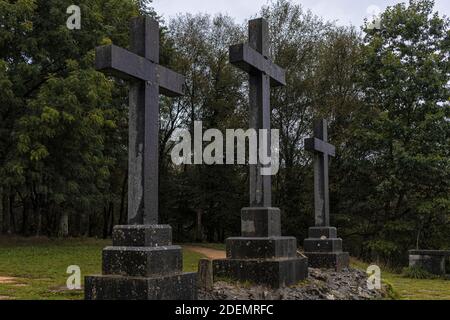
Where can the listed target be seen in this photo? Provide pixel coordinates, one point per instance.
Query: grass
(40, 266)
(412, 289)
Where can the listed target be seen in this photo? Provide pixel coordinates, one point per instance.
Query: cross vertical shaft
(148, 79)
(260, 112)
(144, 128)
(321, 196)
(322, 151)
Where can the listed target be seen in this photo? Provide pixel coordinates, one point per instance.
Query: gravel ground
(349, 284)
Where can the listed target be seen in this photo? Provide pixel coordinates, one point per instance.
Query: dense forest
(385, 92)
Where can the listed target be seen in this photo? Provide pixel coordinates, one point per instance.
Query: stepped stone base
(262, 255)
(142, 264)
(324, 249)
(172, 287)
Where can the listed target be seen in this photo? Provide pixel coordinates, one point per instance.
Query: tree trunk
(38, 215)
(64, 225)
(199, 233)
(111, 222)
(5, 215)
(12, 218)
(106, 220)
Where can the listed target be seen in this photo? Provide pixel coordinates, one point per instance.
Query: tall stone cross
(147, 79)
(253, 58)
(322, 151)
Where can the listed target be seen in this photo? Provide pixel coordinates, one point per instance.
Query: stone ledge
(329, 260)
(142, 262)
(261, 248)
(142, 236)
(273, 273)
(322, 245)
(181, 286)
(322, 232)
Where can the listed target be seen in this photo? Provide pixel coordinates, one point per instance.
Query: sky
(344, 12)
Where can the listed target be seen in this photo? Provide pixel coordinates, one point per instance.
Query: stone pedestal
(324, 249)
(142, 264)
(262, 255)
(432, 261)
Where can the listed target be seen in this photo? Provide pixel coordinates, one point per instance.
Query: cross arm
(127, 65)
(317, 145)
(250, 60)
(170, 82)
(122, 63)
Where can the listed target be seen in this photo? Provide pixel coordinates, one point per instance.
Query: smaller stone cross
(322, 150)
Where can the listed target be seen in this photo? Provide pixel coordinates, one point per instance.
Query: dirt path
(8, 280)
(207, 252)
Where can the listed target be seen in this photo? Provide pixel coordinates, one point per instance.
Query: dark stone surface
(142, 262)
(142, 236)
(319, 232)
(261, 222)
(322, 245)
(261, 248)
(250, 60)
(257, 256)
(148, 79)
(324, 250)
(273, 273)
(432, 261)
(205, 274)
(254, 59)
(171, 287)
(322, 151)
(329, 260)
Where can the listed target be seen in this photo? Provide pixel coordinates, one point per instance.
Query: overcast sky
(345, 12)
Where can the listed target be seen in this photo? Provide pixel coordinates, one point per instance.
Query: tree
(58, 114)
(400, 161)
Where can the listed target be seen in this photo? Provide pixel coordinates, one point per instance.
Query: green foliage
(417, 273)
(397, 150)
(59, 118)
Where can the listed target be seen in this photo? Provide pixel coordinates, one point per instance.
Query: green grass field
(412, 289)
(39, 268)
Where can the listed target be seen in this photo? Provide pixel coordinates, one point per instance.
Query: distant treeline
(385, 91)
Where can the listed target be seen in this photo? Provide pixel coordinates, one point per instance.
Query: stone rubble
(349, 284)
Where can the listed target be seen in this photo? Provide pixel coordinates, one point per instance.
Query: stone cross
(322, 150)
(253, 58)
(147, 79)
